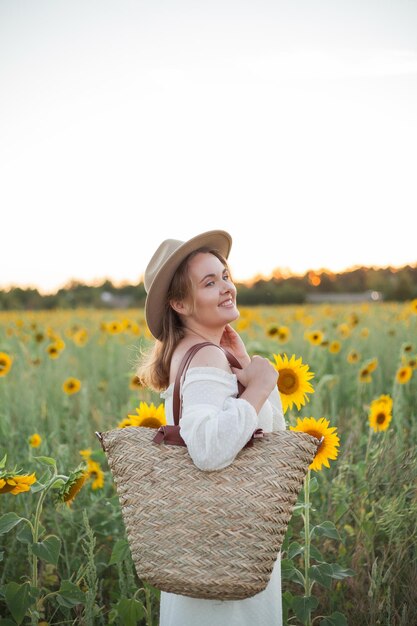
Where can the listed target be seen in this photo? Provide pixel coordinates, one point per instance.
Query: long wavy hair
(153, 364)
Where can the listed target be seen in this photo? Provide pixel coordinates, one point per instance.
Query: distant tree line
(392, 284)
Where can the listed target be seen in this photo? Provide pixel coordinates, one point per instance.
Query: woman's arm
(214, 424)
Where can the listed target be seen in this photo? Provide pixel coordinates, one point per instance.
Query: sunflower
(283, 334)
(372, 364)
(147, 415)
(353, 319)
(344, 330)
(272, 330)
(403, 374)
(15, 483)
(318, 429)
(53, 350)
(67, 492)
(334, 346)
(315, 337)
(365, 332)
(293, 384)
(114, 328)
(86, 453)
(95, 472)
(413, 305)
(410, 361)
(71, 385)
(384, 400)
(365, 375)
(5, 363)
(353, 356)
(380, 416)
(135, 383)
(80, 338)
(35, 440)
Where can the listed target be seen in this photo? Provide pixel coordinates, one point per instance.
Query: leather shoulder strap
(176, 403)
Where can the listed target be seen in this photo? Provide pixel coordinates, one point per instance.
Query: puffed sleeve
(278, 420)
(215, 424)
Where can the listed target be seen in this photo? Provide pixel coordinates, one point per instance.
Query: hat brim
(156, 297)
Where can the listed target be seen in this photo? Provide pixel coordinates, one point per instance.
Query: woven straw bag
(206, 534)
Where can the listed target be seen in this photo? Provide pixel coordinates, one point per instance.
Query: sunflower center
(380, 418)
(151, 422)
(288, 381)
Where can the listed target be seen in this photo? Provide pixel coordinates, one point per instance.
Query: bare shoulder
(210, 356)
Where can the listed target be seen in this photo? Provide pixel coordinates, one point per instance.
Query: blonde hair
(153, 364)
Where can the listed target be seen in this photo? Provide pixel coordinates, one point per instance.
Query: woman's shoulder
(207, 356)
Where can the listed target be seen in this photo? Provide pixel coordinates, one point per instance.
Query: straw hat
(162, 266)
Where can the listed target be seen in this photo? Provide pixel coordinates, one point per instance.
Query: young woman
(191, 299)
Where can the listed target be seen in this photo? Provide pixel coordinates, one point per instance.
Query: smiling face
(213, 301)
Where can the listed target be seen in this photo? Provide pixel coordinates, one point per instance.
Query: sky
(290, 124)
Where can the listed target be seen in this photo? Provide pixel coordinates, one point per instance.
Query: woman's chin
(234, 314)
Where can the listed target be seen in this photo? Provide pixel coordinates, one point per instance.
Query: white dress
(216, 425)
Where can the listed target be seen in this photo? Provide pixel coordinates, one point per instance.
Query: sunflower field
(346, 373)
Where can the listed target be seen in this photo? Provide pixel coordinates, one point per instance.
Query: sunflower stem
(35, 528)
(368, 445)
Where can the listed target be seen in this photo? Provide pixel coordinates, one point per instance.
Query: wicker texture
(216, 534)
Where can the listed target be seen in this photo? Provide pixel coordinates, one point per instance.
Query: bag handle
(176, 403)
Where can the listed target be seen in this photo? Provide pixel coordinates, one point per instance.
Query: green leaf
(48, 550)
(302, 606)
(326, 528)
(70, 594)
(294, 549)
(120, 551)
(59, 482)
(298, 509)
(289, 572)
(314, 484)
(341, 509)
(7, 622)
(46, 460)
(24, 534)
(339, 573)
(287, 598)
(3, 461)
(8, 521)
(1, 555)
(322, 574)
(37, 487)
(335, 619)
(130, 611)
(316, 554)
(18, 599)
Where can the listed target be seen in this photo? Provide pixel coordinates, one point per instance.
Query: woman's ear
(179, 306)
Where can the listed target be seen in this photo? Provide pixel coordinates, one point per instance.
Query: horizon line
(278, 272)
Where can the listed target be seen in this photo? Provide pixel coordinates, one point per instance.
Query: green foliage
(363, 508)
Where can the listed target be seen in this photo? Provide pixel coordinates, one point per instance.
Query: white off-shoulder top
(215, 425)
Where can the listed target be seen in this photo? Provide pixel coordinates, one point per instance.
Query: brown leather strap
(176, 402)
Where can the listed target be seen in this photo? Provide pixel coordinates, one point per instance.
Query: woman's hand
(259, 374)
(231, 341)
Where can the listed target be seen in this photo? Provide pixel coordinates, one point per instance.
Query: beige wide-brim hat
(162, 266)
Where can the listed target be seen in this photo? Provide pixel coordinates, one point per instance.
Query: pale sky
(292, 125)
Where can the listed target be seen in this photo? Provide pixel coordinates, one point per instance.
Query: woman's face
(213, 291)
